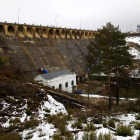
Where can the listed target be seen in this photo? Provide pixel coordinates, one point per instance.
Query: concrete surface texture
(31, 47)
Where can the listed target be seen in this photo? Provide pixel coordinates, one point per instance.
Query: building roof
(49, 76)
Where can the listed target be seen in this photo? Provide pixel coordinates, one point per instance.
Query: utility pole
(55, 20)
(88, 89)
(18, 15)
(80, 23)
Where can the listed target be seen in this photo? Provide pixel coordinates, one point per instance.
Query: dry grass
(12, 136)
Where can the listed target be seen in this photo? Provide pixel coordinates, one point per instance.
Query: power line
(14, 8)
(6, 8)
(29, 8)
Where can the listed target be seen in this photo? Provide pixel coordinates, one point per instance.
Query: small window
(60, 86)
(66, 85)
(53, 87)
(72, 83)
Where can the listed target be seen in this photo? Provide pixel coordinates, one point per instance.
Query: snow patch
(134, 52)
(133, 39)
(52, 105)
(103, 131)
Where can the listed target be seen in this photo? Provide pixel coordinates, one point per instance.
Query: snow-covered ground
(126, 119)
(132, 50)
(134, 73)
(99, 96)
(52, 105)
(45, 130)
(135, 53)
(133, 39)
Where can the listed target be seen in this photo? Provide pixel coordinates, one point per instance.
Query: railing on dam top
(23, 30)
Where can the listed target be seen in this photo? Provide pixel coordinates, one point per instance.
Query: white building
(63, 79)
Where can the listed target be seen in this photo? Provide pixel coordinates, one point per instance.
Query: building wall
(59, 80)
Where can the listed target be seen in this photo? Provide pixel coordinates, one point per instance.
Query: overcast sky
(89, 14)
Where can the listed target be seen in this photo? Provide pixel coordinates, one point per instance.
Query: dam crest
(23, 30)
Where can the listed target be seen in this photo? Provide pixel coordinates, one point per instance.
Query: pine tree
(110, 48)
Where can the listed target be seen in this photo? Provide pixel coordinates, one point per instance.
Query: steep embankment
(50, 53)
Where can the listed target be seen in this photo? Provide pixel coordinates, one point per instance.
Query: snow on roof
(52, 75)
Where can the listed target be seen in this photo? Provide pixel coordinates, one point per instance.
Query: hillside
(28, 111)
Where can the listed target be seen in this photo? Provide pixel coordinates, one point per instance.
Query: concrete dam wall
(31, 47)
